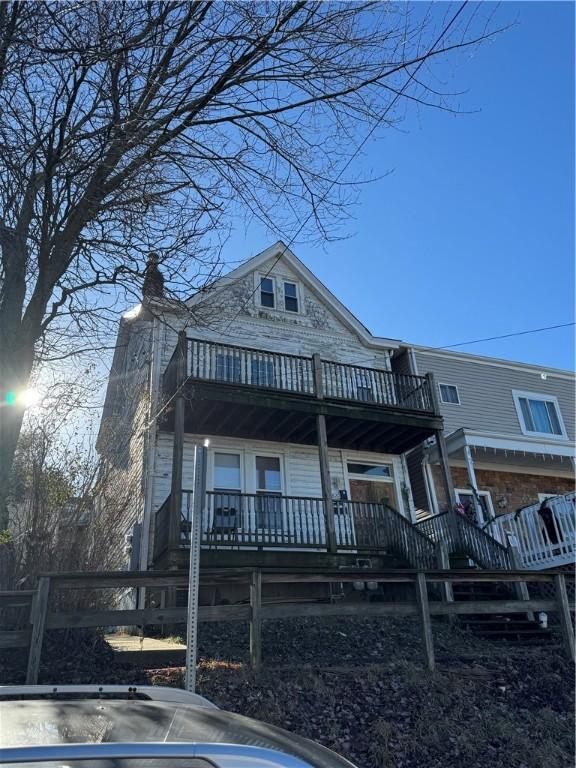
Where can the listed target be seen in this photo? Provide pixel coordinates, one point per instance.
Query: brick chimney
(153, 286)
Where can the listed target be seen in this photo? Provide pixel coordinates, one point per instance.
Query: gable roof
(283, 255)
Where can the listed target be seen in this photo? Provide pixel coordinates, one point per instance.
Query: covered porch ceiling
(213, 410)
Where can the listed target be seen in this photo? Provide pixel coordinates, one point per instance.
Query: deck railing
(543, 540)
(462, 536)
(251, 520)
(229, 364)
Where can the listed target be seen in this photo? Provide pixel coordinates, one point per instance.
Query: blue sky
(471, 234)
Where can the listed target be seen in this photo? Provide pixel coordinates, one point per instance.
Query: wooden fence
(255, 611)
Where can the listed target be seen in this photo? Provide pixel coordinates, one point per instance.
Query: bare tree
(62, 516)
(140, 126)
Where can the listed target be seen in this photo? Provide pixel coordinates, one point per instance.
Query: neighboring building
(509, 430)
(311, 423)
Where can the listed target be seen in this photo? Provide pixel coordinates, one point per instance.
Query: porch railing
(543, 540)
(250, 520)
(462, 536)
(245, 366)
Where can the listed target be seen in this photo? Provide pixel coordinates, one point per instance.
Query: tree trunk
(16, 357)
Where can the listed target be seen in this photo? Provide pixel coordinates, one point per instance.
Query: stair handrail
(481, 546)
(418, 550)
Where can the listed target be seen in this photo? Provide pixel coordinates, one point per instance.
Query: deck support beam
(323, 456)
(178, 442)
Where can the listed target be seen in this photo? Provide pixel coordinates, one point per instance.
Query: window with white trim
(267, 292)
(227, 492)
(539, 414)
(268, 492)
(449, 394)
(290, 297)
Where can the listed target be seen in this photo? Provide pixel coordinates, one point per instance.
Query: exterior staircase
(516, 627)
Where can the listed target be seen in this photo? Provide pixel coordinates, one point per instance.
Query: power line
(474, 341)
(504, 336)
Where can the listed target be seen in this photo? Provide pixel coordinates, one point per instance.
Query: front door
(371, 492)
(371, 488)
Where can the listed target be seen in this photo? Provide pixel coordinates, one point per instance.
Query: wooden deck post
(255, 620)
(178, 443)
(564, 614)
(323, 456)
(424, 613)
(38, 621)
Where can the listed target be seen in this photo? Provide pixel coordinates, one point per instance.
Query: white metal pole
(472, 478)
(198, 501)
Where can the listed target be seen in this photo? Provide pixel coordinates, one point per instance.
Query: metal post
(198, 503)
(520, 587)
(473, 483)
(443, 562)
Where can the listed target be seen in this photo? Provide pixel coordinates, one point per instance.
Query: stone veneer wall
(518, 489)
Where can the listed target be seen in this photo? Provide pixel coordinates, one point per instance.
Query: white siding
(233, 316)
(300, 465)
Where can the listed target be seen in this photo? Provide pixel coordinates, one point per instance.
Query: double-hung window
(228, 367)
(263, 374)
(290, 297)
(268, 492)
(539, 414)
(267, 292)
(227, 492)
(364, 391)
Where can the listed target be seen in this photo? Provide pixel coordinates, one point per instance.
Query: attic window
(267, 292)
(290, 297)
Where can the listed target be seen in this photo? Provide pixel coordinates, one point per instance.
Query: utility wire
(504, 336)
(474, 341)
(358, 149)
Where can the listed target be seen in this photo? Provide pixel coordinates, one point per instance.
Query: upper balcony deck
(275, 396)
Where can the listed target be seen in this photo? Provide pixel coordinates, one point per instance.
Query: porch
(544, 539)
(217, 390)
(251, 393)
(295, 524)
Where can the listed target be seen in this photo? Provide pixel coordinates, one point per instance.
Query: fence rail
(543, 539)
(43, 618)
(229, 364)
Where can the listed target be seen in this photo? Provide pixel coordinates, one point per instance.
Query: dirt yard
(360, 687)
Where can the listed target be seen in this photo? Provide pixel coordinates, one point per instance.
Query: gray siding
(485, 389)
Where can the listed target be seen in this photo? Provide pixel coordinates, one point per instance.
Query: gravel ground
(359, 686)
